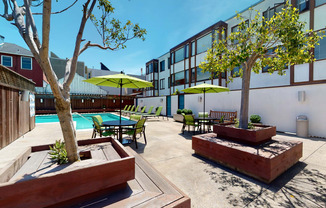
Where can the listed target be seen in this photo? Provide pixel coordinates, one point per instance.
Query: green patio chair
(148, 112)
(131, 110)
(156, 114)
(127, 109)
(206, 122)
(138, 129)
(142, 111)
(188, 120)
(135, 117)
(99, 129)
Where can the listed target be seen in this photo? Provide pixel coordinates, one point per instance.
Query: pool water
(83, 121)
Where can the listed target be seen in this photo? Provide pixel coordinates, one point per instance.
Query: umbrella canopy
(205, 88)
(119, 81)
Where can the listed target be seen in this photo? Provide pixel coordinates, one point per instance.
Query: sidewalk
(209, 184)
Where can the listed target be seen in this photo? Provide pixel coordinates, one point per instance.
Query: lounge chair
(127, 109)
(188, 120)
(148, 112)
(156, 114)
(139, 129)
(131, 112)
(135, 117)
(98, 128)
(141, 112)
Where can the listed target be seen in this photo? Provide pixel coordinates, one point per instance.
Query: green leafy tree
(114, 35)
(274, 43)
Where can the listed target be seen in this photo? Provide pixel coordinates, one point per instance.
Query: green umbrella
(205, 88)
(119, 81)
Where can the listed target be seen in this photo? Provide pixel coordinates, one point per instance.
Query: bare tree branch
(65, 9)
(46, 27)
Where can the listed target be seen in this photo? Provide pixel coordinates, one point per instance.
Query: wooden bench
(228, 116)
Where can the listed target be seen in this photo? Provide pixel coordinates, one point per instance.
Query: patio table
(124, 123)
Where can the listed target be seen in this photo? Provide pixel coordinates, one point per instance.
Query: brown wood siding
(15, 120)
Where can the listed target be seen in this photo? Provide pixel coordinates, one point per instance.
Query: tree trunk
(244, 110)
(68, 130)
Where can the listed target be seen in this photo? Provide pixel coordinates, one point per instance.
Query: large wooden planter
(70, 181)
(245, 136)
(263, 162)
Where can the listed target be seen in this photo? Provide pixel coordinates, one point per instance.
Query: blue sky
(167, 22)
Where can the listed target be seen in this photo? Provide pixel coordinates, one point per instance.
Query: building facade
(179, 68)
(21, 61)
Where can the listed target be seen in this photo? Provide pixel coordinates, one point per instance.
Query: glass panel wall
(204, 43)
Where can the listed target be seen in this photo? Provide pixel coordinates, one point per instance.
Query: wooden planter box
(245, 136)
(178, 117)
(264, 162)
(70, 181)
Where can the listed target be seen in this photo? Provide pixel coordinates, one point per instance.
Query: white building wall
(153, 101)
(174, 104)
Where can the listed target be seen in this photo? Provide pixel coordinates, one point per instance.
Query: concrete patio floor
(209, 184)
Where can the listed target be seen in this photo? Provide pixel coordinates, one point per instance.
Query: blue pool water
(83, 121)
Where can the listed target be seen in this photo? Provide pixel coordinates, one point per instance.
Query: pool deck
(208, 184)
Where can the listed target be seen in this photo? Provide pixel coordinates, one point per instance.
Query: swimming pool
(83, 121)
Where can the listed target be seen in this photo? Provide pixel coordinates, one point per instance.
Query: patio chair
(138, 129)
(135, 117)
(156, 114)
(188, 120)
(127, 109)
(99, 129)
(141, 112)
(148, 112)
(206, 122)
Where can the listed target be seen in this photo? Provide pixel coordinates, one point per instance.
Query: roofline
(17, 54)
(258, 2)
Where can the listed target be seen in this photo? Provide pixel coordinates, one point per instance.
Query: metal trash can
(302, 126)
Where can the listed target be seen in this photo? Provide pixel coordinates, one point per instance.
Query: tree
(275, 43)
(114, 36)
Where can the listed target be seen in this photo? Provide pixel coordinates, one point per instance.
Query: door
(168, 105)
(181, 102)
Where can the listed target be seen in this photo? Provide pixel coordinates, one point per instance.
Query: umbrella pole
(204, 111)
(120, 133)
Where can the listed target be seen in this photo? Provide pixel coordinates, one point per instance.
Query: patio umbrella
(119, 81)
(205, 88)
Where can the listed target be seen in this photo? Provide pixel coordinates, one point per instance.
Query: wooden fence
(44, 104)
(15, 118)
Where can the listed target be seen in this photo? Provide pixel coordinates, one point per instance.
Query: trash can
(302, 126)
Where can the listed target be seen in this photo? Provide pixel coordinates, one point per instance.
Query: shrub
(255, 118)
(59, 153)
(189, 111)
(185, 111)
(179, 111)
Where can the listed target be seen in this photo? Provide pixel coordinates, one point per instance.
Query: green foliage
(277, 42)
(186, 111)
(236, 124)
(58, 153)
(113, 33)
(177, 92)
(221, 119)
(179, 111)
(189, 111)
(255, 118)
(251, 125)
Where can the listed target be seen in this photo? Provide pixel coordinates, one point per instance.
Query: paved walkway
(207, 183)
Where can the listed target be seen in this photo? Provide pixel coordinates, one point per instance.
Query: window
(179, 78)
(268, 14)
(193, 49)
(320, 50)
(186, 51)
(187, 76)
(147, 69)
(162, 84)
(169, 82)
(204, 43)
(151, 68)
(172, 58)
(236, 29)
(319, 2)
(26, 63)
(202, 75)
(155, 67)
(172, 80)
(193, 75)
(302, 5)
(169, 63)
(6, 61)
(155, 84)
(179, 55)
(162, 65)
(236, 71)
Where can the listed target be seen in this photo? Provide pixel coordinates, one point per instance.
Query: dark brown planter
(245, 136)
(73, 181)
(264, 162)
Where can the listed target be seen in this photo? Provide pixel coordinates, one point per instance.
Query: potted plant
(178, 116)
(255, 119)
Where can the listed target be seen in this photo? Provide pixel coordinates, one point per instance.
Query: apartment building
(179, 68)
